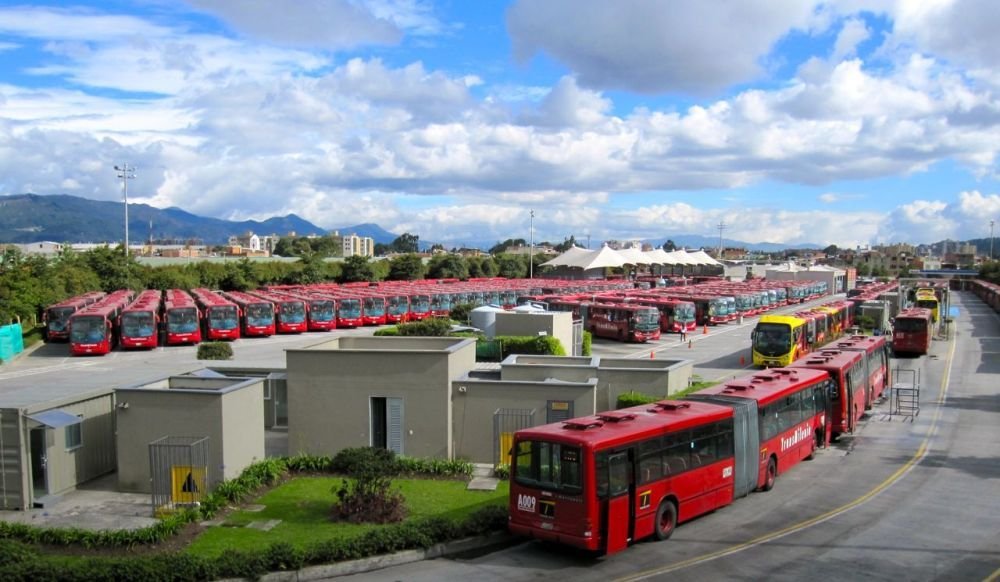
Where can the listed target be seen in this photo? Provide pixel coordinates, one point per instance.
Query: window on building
(74, 434)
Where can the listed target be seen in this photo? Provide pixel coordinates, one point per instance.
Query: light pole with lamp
(126, 173)
(991, 241)
(531, 245)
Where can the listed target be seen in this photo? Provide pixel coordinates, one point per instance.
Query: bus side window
(601, 472)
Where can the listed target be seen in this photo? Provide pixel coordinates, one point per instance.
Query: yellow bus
(928, 300)
(778, 340)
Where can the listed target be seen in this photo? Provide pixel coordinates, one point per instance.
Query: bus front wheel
(666, 519)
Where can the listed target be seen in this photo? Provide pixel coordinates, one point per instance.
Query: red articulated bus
(56, 317)
(848, 392)
(420, 306)
(373, 310)
(912, 331)
(793, 410)
(598, 482)
(220, 316)
(181, 318)
(397, 308)
(321, 310)
(675, 315)
(629, 323)
(876, 352)
(291, 314)
(139, 322)
(256, 314)
(94, 329)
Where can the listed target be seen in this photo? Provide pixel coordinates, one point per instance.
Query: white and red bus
(181, 318)
(220, 316)
(912, 330)
(629, 323)
(321, 310)
(94, 329)
(139, 323)
(877, 351)
(56, 317)
(441, 304)
(793, 410)
(848, 393)
(349, 311)
(291, 314)
(598, 482)
(256, 314)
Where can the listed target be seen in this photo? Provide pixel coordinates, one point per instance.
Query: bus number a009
(526, 503)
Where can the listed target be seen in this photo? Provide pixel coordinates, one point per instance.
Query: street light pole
(531, 247)
(991, 241)
(126, 173)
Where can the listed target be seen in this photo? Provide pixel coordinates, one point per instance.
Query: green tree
(566, 244)
(356, 268)
(511, 266)
(831, 251)
(669, 246)
(447, 266)
(406, 243)
(511, 242)
(408, 267)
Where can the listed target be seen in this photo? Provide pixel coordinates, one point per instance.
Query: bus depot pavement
(49, 369)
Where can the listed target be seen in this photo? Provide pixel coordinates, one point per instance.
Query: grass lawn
(303, 506)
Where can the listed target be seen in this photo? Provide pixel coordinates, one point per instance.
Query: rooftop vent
(616, 416)
(582, 424)
(670, 405)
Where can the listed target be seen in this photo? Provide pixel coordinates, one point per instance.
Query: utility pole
(991, 241)
(531, 247)
(125, 173)
(721, 226)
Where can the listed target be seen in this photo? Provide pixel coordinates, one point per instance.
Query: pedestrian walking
(684, 333)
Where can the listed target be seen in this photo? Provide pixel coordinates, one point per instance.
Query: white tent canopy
(568, 257)
(633, 256)
(703, 258)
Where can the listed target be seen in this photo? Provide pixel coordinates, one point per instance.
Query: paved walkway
(482, 478)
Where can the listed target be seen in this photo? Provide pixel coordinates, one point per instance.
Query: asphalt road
(901, 500)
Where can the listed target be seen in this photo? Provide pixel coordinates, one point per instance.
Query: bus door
(821, 394)
(619, 520)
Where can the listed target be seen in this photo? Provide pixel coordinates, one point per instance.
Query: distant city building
(362, 246)
(43, 248)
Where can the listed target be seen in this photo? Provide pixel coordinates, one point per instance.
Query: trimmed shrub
(369, 497)
(432, 326)
(635, 399)
(215, 351)
(502, 471)
(544, 345)
(441, 467)
(460, 313)
(588, 340)
(387, 331)
(356, 459)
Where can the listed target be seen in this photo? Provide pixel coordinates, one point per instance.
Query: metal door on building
(577, 338)
(39, 463)
(507, 421)
(387, 423)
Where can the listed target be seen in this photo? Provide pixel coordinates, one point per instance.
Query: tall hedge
(542, 345)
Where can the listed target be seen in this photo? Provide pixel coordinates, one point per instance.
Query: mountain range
(26, 218)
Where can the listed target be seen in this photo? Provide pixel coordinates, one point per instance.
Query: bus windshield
(260, 314)
(182, 320)
(321, 310)
(927, 303)
(222, 317)
(421, 303)
(684, 312)
(293, 311)
(398, 306)
(350, 308)
(138, 324)
(772, 339)
(58, 317)
(374, 306)
(549, 466)
(87, 329)
(647, 319)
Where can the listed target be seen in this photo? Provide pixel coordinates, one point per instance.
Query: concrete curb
(386, 560)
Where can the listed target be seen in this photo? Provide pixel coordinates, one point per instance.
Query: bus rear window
(548, 466)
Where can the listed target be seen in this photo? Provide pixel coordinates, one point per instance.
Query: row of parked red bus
(600, 482)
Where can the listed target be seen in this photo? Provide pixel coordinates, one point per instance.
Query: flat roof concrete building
(228, 411)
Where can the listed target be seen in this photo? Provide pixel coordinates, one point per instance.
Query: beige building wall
(330, 387)
(66, 468)
(558, 324)
(233, 421)
(476, 402)
(654, 377)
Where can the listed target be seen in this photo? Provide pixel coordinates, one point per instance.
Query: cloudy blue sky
(790, 121)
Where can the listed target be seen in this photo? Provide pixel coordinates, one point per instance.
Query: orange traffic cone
(705, 330)
(652, 355)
